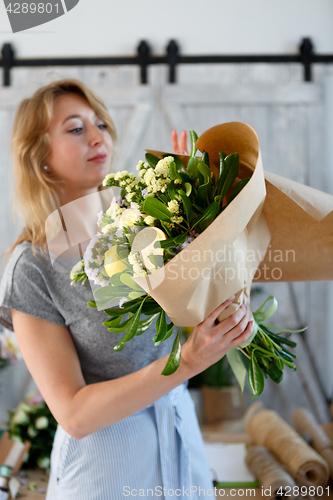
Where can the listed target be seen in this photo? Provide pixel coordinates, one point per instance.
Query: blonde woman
(124, 430)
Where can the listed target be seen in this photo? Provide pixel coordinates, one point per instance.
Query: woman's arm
(81, 409)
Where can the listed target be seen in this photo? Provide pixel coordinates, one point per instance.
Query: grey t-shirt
(35, 287)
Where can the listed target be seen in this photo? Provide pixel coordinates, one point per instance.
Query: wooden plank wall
(289, 118)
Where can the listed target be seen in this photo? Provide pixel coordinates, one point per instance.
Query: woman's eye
(102, 126)
(76, 130)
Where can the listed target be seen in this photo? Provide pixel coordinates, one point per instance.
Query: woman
(123, 428)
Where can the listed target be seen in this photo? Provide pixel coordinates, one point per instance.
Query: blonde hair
(35, 196)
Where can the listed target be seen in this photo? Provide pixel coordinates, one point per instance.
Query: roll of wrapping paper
(269, 472)
(305, 423)
(306, 466)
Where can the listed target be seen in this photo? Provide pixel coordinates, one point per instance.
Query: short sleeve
(24, 288)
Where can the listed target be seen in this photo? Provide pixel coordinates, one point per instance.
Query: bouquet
(33, 421)
(182, 211)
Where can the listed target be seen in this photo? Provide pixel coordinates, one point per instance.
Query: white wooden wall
(288, 115)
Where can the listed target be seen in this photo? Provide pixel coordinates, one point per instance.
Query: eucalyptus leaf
(127, 280)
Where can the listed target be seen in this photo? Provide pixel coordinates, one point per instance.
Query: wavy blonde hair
(35, 196)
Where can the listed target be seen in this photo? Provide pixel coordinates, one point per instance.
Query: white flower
(173, 206)
(107, 228)
(32, 432)
(21, 416)
(177, 220)
(43, 462)
(78, 268)
(42, 423)
(128, 217)
(129, 197)
(149, 220)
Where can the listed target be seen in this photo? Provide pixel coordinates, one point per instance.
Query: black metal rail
(144, 58)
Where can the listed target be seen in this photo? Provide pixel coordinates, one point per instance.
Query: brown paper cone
(269, 472)
(299, 218)
(307, 467)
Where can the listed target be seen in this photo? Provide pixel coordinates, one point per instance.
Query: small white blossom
(42, 423)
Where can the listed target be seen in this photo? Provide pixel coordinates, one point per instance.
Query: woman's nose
(96, 136)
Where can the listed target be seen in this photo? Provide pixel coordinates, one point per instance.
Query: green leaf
(120, 328)
(152, 159)
(157, 260)
(221, 171)
(156, 209)
(188, 188)
(166, 229)
(237, 189)
(92, 303)
(205, 158)
(136, 295)
(232, 168)
(109, 293)
(194, 138)
(127, 280)
(113, 322)
(174, 358)
(205, 171)
(185, 177)
(145, 324)
(275, 372)
(179, 164)
(237, 366)
(210, 212)
(161, 328)
(192, 167)
(256, 376)
(174, 175)
(186, 204)
(172, 190)
(132, 326)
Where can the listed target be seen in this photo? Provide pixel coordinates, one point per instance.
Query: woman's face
(81, 147)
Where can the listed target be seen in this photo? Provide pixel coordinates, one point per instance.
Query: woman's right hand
(210, 341)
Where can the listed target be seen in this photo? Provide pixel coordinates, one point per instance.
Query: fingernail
(232, 297)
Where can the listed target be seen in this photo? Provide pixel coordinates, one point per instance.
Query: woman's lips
(98, 158)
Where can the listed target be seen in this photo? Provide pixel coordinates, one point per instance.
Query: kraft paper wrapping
(299, 218)
(266, 428)
(269, 472)
(305, 423)
(274, 230)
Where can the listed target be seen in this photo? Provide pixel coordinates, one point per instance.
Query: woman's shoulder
(24, 258)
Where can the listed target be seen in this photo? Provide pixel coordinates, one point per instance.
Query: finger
(233, 321)
(243, 336)
(174, 141)
(214, 315)
(183, 143)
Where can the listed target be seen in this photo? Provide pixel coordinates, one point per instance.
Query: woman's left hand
(179, 147)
